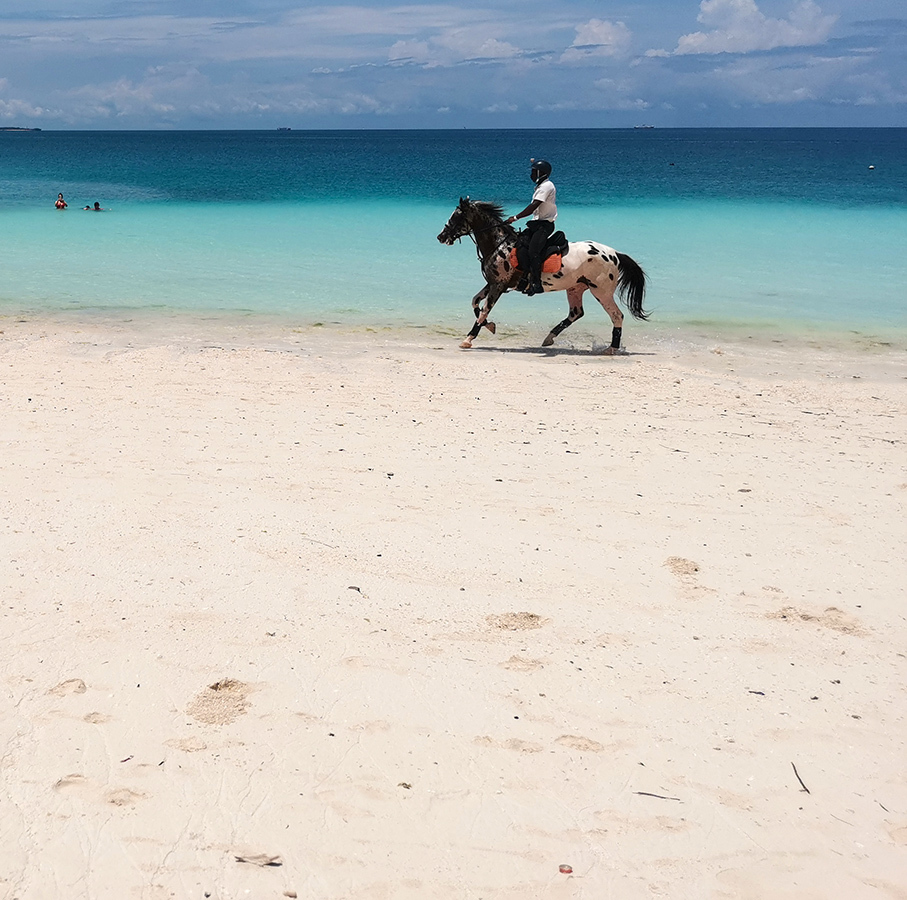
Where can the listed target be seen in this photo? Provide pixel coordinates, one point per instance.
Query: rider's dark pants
(539, 232)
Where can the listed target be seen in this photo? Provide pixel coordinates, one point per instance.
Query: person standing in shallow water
(61, 203)
(543, 209)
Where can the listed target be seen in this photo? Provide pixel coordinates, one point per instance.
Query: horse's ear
(463, 202)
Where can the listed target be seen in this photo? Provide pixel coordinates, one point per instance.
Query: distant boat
(643, 126)
(284, 128)
(17, 128)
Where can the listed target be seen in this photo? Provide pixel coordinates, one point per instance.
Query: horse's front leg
(575, 300)
(490, 295)
(477, 312)
(477, 309)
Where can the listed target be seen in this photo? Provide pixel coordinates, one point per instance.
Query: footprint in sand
(377, 726)
(72, 686)
(584, 744)
(79, 786)
(510, 744)
(515, 621)
(221, 703)
(123, 797)
(612, 640)
(687, 573)
(75, 784)
(831, 617)
(521, 664)
(96, 718)
(682, 568)
(187, 745)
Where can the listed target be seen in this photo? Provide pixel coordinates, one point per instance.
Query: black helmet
(541, 169)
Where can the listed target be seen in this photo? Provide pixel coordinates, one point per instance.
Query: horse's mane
(494, 210)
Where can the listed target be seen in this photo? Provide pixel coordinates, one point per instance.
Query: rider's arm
(528, 211)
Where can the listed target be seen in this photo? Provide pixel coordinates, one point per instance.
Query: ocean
(796, 232)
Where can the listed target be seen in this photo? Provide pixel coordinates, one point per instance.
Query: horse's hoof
(548, 341)
(491, 327)
(466, 345)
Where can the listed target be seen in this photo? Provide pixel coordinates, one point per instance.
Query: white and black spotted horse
(586, 266)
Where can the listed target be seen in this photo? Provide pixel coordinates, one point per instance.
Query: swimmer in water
(61, 203)
(96, 208)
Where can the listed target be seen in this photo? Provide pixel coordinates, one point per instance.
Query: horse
(586, 265)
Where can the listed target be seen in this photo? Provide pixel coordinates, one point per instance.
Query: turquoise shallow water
(785, 230)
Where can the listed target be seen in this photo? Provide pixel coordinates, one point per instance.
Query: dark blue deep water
(828, 166)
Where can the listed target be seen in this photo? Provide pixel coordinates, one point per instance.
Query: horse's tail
(631, 285)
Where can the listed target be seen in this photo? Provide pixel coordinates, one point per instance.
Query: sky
(136, 64)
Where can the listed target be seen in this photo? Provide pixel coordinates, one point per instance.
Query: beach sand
(324, 615)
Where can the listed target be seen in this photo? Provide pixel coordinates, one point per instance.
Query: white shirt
(547, 194)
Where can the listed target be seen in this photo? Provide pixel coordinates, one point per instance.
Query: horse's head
(460, 223)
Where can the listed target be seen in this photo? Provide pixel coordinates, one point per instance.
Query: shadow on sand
(560, 351)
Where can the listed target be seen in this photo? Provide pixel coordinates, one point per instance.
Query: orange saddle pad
(550, 266)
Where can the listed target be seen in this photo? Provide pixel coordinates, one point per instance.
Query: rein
(474, 231)
(487, 228)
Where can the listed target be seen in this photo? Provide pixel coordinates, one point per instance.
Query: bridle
(474, 231)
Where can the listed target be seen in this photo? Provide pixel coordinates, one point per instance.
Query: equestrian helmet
(541, 169)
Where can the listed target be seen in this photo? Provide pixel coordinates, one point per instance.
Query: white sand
(470, 615)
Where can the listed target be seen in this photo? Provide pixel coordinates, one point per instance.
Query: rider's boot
(535, 278)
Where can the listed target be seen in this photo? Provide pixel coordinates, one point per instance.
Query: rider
(543, 210)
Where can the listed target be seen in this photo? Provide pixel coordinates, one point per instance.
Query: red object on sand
(565, 870)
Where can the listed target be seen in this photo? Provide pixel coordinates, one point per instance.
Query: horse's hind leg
(490, 295)
(575, 300)
(604, 293)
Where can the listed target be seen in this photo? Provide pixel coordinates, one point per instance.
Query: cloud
(15, 109)
(471, 44)
(162, 91)
(739, 26)
(168, 96)
(802, 79)
(451, 47)
(598, 38)
(409, 52)
(344, 21)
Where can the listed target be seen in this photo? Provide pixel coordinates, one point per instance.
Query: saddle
(553, 259)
